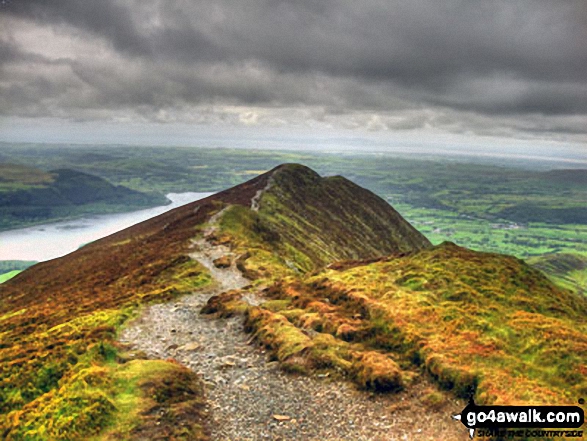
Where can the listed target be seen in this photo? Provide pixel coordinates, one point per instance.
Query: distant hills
(524, 213)
(29, 196)
(578, 176)
(566, 269)
(446, 199)
(350, 290)
(537, 211)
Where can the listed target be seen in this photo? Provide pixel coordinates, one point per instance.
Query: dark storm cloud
(490, 58)
(106, 18)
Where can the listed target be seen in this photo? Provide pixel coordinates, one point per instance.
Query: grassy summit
(301, 222)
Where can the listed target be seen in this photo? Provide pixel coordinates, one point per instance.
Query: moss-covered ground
(479, 324)
(63, 377)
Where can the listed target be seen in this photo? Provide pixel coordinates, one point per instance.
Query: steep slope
(30, 196)
(565, 269)
(303, 208)
(480, 324)
(58, 318)
(300, 222)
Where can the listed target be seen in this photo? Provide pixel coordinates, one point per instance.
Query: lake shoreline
(108, 209)
(49, 240)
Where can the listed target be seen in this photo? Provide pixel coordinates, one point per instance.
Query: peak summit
(294, 170)
(327, 219)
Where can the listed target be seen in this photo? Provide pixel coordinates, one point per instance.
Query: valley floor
(250, 398)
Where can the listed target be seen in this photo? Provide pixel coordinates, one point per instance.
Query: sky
(476, 72)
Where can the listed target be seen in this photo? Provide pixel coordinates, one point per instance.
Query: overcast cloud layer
(480, 67)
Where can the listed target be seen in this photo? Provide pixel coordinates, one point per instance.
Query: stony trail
(250, 398)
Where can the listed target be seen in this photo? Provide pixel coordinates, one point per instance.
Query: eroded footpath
(250, 398)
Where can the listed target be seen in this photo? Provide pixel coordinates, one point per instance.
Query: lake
(48, 241)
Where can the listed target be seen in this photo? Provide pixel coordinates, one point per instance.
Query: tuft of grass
(277, 305)
(322, 352)
(156, 399)
(226, 304)
(58, 322)
(479, 324)
(377, 371)
(434, 399)
(277, 333)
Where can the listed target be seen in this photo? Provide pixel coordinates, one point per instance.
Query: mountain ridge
(296, 224)
(81, 299)
(372, 322)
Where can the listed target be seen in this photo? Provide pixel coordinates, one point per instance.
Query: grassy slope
(56, 340)
(481, 320)
(565, 269)
(477, 323)
(9, 275)
(302, 225)
(58, 321)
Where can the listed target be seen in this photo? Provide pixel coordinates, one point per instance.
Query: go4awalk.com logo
(523, 421)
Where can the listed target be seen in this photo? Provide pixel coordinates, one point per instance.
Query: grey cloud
(105, 18)
(502, 60)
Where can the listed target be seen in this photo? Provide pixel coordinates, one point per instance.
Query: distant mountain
(526, 212)
(578, 176)
(29, 196)
(539, 211)
(347, 288)
(565, 269)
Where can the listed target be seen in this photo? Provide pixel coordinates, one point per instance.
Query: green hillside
(298, 224)
(566, 269)
(349, 290)
(477, 323)
(29, 196)
(9, 275)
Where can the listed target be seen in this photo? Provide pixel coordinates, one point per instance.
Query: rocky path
(250, 398)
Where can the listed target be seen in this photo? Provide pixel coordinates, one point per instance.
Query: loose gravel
(250, 398)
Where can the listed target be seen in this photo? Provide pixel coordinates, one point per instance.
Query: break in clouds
(486, 67)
